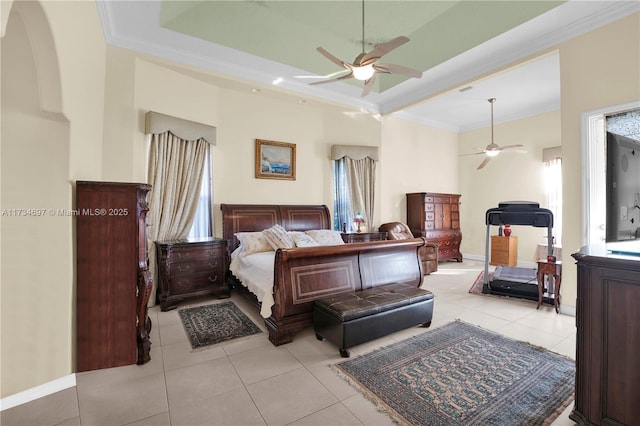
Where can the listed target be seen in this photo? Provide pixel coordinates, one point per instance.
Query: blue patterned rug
(209, 324)
(460, 374)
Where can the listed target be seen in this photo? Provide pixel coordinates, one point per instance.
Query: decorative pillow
(303, 240)
(253, 242)
(326, 237)
(277, 237)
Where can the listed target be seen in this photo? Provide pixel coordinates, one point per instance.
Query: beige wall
(598, 70)
(417, 158)
(91, 128)
(509, 177)
(52, 111)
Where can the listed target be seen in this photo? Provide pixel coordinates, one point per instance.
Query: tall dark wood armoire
(436, 217)
(113, 278)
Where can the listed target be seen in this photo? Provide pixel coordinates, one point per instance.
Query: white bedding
(255, 271)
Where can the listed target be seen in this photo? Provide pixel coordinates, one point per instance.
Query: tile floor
(251, 382)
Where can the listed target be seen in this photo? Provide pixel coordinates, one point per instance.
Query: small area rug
(476, 287)
(460, 374)
(209, 324)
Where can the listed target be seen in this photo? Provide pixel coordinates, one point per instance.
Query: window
(202, 223)
(354, 173)
(342, 213)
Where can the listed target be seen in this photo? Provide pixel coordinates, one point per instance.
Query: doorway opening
(594, 171)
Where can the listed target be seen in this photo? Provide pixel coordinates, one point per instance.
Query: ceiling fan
(365, 66)
(493, 149)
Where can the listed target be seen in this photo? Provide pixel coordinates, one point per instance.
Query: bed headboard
(256, 217)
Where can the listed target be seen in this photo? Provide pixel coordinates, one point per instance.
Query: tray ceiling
(455, 43)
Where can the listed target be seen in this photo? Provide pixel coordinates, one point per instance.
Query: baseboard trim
(37, 392)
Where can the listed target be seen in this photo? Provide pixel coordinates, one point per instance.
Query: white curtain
(175, 173)
(361, 176)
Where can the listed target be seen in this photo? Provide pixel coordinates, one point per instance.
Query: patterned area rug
(476, 287)
(209, 324)
(460, 374)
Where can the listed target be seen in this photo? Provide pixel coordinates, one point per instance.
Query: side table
(554, 269)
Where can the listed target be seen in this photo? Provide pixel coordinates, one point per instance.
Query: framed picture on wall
(275, 160)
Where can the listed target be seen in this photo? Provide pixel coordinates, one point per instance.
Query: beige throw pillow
(278, 237)
(253, 242)
(326, 237)
(303, 240)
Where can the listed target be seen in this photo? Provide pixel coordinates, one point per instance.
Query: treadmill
(510, 281)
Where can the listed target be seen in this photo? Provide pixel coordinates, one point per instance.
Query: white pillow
(326, 237)
(253, 242)
(303, 240)
(277, 237)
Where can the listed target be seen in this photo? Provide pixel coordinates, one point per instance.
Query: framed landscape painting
(275, 160)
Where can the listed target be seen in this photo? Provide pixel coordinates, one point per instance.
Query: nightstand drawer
(206, 265)
(184, 254)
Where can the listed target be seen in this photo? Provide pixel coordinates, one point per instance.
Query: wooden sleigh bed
(304, 274)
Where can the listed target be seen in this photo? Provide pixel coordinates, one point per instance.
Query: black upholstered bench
(352, 318)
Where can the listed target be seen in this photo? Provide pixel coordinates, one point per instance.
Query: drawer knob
(213, 265)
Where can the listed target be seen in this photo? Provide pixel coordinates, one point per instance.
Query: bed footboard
(303, 275)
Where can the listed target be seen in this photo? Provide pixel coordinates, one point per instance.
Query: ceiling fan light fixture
(364, 72)
(492, 153)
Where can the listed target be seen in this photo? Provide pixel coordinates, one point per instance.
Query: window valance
(157, 123)
(552, 153)
(355, 152)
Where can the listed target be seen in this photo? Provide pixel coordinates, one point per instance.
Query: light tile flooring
(251, 382)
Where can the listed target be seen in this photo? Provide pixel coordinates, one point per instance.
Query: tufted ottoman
(352, 318)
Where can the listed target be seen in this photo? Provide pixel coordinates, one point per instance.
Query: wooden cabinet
(189, 268)
(359, 237)
(436, 217)
(504, 250)
(113, 278)
(607, 338)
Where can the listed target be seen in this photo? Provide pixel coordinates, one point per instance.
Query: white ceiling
(435, 99)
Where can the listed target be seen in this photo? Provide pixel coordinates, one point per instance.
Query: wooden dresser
(436, 217)
(189, 268)
(504, 250)
(113, 278)
(360, 237)
(607, 338)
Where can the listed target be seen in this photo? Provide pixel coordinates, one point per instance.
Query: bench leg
(344, 353)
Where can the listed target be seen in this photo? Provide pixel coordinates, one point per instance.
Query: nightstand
(190, 268)
(361, 237)
(504, 250)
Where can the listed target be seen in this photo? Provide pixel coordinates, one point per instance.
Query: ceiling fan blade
(509, 147)
(368, 85)
(382, 49)
(397, 69)
(484, 162)
(344, 77)
(473, 153)
(330, 57)
(332, 75)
